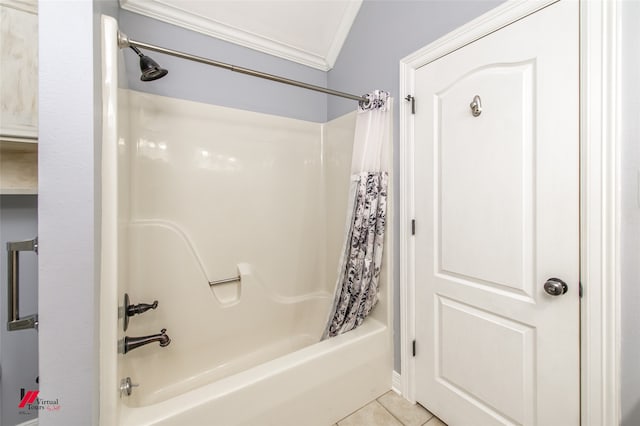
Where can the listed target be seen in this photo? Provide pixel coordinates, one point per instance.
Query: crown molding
(343, 32)
(176, 16)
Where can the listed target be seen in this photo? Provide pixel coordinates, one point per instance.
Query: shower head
(149, 68)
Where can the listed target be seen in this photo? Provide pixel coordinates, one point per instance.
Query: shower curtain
(357, 284)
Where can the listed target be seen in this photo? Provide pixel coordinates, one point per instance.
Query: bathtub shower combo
(221, 245)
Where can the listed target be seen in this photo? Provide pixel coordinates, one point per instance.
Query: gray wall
(202, 83)
(18, 349)
(630, 218)
(69, 206)
(384, 32)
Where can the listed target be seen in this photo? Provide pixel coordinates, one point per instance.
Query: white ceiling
(310, 32)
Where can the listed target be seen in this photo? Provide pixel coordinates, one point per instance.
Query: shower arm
(124, 42)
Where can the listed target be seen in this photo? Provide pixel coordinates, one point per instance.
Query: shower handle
(129, 310)
(140, 308)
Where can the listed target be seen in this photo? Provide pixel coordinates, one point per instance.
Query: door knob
(555, 287)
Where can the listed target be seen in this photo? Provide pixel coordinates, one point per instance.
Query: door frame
(599, 196)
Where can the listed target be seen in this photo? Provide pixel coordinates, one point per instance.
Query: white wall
(337, 147)
(212, 188)
(69, 225)
(251, 181)
(630, 217)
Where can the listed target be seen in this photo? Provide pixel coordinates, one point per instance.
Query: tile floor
(391, 410)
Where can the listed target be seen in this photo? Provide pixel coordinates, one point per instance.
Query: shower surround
(195, 193)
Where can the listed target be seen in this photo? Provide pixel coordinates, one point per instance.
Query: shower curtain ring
(365, 103)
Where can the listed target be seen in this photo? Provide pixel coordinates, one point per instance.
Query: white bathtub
(317, 385)
(175, 215)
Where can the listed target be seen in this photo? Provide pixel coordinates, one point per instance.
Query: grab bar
(224, 281)
(13, 284)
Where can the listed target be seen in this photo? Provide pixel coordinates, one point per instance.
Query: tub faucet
(130, 343)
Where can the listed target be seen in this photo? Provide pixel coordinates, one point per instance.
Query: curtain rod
(124, 41)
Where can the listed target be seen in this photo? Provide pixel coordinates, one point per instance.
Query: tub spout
(130, 343)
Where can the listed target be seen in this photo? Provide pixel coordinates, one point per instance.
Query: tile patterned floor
(391, 410)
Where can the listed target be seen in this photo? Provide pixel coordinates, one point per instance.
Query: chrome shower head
(149, 68)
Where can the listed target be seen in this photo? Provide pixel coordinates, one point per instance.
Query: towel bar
(224, 281)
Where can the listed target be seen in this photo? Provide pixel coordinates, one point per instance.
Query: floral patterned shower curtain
(357, 284)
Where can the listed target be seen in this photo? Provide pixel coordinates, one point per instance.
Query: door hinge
(580, 290)
(413, 227)
(411, 99)
(413, 348)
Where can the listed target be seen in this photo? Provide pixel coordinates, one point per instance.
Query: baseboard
(396, 382)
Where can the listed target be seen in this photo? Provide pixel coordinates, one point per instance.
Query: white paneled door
(497, 235)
